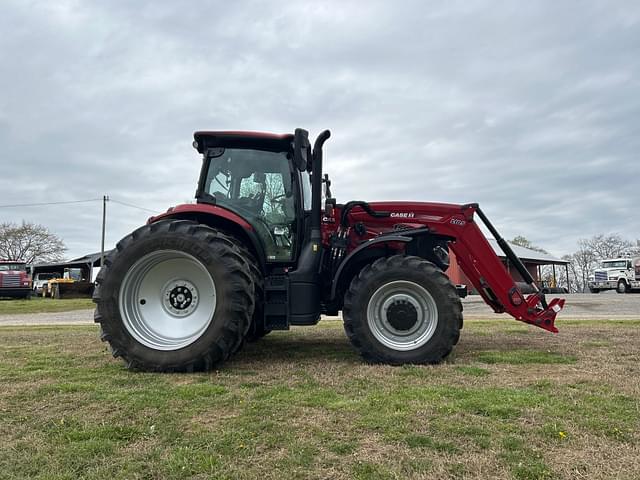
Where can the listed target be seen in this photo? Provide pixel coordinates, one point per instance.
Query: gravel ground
(75, 317)
(607, 305)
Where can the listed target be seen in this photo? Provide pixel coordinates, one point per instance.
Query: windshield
(257, 185)
(5, 267)
(615, 264)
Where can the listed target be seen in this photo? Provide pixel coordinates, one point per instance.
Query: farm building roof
(92, 258)
(527, 254)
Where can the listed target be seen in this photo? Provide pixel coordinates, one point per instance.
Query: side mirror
(301, 149)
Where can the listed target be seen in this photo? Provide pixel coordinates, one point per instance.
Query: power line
(43, 204)
(132, 206)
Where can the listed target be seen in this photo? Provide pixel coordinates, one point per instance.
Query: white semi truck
(621, 274)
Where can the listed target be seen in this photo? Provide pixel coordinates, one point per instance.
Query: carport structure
(533, 260)
(84, 264)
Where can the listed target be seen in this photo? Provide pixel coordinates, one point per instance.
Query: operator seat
(259, 178)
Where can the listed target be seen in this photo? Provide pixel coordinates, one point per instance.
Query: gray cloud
(530, 109)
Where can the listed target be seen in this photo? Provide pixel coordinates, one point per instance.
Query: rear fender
(219, 218)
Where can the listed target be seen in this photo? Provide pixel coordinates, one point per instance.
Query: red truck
(14, 279)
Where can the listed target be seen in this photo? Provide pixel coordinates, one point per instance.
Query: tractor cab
(254, 175)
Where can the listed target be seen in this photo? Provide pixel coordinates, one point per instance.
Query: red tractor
(261, 250)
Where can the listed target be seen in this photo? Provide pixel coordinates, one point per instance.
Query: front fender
(419, 241)
(361, 252)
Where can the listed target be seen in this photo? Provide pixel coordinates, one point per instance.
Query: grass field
(512, 402)
(40, 305)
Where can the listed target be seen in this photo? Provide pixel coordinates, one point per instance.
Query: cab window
(257, 185)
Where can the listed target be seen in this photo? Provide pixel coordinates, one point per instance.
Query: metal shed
(533, 260)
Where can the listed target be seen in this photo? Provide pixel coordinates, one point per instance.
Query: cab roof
(238, 139)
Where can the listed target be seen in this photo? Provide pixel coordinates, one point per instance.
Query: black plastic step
(276, 302)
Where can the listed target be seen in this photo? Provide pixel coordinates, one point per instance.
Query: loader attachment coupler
(494, 282)
(540, 314)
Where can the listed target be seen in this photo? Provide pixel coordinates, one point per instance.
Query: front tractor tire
(174, 296)
(402, 309)
(622, 287)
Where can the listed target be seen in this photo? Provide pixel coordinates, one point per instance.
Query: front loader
(266, 247)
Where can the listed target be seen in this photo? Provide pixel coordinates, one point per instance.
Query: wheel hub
(402, 315)
(180, 297)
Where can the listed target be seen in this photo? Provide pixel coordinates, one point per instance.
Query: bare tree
(585, 261)
(608, 246)
(29, 242)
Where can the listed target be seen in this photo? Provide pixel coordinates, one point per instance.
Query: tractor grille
(601, 276)
(10, 280)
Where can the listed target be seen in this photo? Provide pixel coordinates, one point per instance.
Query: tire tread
(227, 250)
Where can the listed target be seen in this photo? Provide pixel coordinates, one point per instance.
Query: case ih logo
(403, 214)
(457, 221)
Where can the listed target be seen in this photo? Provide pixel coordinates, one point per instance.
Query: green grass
(519, 357)
(42, 305)
(301, 404)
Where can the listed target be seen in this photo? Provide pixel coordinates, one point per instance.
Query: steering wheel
(245, 204)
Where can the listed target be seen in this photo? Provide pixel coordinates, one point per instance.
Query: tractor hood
(416, 210)
(415, 214)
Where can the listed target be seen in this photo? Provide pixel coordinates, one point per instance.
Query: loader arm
(490, 277)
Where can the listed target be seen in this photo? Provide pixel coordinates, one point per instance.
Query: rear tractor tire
(256, 327)
(402, 309)
(174, 296)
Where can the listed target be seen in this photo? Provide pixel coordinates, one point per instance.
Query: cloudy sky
(531, 109)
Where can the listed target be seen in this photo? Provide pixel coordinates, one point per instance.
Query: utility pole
(105, 199)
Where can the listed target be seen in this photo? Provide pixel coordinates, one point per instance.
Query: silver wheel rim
(622, 288)
(167, 300)
(393, 330)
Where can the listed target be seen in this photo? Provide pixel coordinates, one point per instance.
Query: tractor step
(276, 302)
